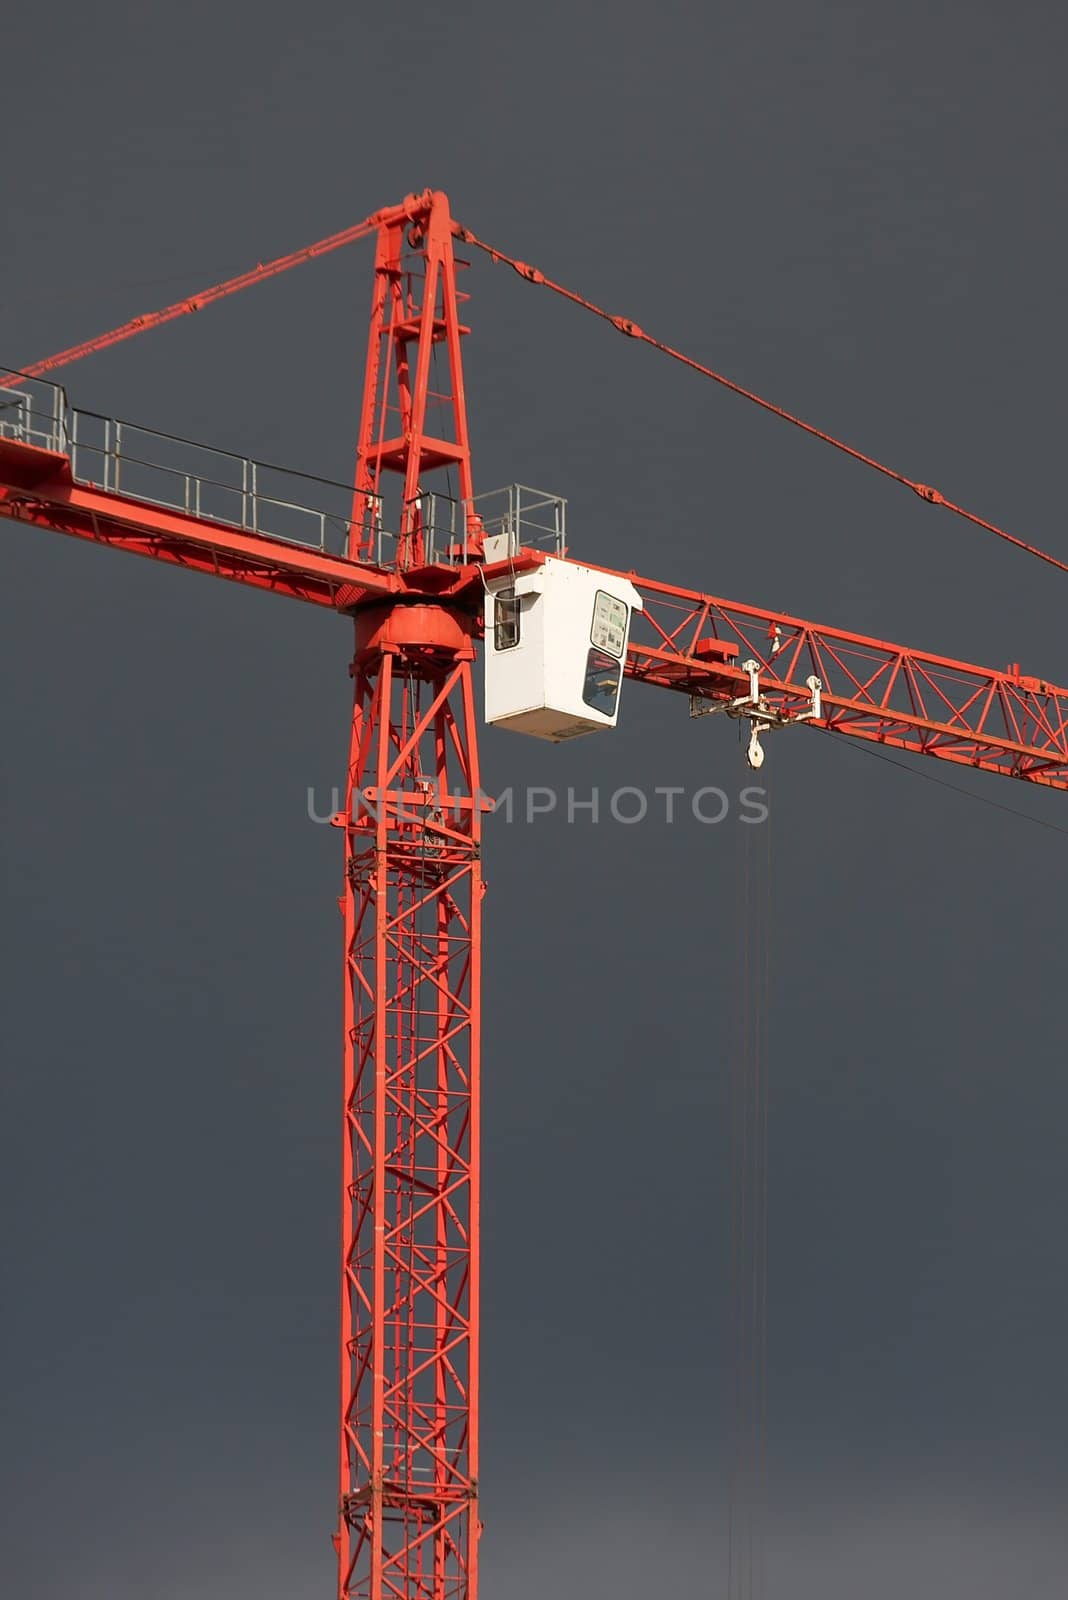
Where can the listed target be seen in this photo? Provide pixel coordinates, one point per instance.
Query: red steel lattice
(412, 908)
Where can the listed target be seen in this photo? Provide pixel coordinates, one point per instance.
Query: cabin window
(609, 629)
(505, 620)
(600, 689)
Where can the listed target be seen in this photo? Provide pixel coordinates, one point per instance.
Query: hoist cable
(633, 331)
(736, 1352)
(765, 1012)
(748, 1298)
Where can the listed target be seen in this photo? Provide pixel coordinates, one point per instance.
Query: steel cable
(627, 326)
(748, 1291)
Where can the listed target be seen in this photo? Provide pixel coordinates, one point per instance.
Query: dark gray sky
(854, 208)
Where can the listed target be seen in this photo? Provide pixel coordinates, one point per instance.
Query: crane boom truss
(1002, 721)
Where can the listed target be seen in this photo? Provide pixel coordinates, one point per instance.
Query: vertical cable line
(748, 1293)
(738, 1053)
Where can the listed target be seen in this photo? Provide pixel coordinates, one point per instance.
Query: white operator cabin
(556, 639)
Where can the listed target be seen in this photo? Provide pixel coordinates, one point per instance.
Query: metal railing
(202, 481)
(513, 517)
(33, 412)
(523, 517)
(165, 470)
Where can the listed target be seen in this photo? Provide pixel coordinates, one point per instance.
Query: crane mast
(412, 905)
(412, 902)
(407, 1513)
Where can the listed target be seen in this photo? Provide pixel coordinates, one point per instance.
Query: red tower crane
(414, 568)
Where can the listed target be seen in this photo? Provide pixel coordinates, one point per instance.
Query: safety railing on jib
(511, 518)
(166, 470)
(33, 412)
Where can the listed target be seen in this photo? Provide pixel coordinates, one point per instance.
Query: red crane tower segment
(412, 908)
(408, 1524)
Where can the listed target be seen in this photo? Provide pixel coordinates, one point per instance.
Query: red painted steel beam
(414, 309)
(408, 1520)
(1006, 721)
(37, 487)
(408, 1524)
(413, 206)
(998, 721)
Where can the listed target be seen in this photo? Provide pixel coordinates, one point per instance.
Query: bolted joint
(531, 274)
(354, 1507)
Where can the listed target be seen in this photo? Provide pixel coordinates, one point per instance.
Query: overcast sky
(855, 208)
